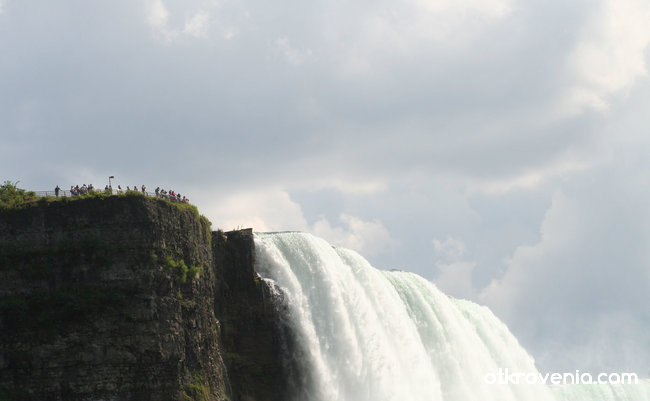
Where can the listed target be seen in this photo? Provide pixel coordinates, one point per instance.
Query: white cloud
(369, 39)
(369, 238)
(446, 20)
(158, 15)
(230, 32)
(453, 16)
(563, 295)
(448, 133)
(347, 185)
(158, 19)
(450, 249)
(265, 209)
(558, 229)
(610, 56)
(455, 279)
(531, 178)
(293, 55)
(454, 274)
(488, 8)
(197, 25)
(272, 209)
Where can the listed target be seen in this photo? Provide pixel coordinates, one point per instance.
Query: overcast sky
(497, 147)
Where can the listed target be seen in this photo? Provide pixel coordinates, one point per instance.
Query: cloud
(455, 279)
(531, 178)
(158, 15)
(291, 54)
(566, 296)
(610, 55)
(378, 125)
(158, 19)
(448, 20)
(369, 39)
(369, 238)
(490, 8)
(450, 249)
(273, 209)
(454, 274)
(264, 209)
(197, 25)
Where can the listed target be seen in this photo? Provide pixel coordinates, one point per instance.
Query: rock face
(132, 298)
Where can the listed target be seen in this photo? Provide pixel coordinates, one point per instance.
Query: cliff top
(14, 198)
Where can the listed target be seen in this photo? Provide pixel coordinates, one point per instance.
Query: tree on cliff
(13, 197)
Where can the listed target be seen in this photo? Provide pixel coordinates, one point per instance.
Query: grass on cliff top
(12, 197)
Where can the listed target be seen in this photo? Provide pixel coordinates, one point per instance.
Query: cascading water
(370, 335)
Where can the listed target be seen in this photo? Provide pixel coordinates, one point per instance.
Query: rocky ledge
(133, 298)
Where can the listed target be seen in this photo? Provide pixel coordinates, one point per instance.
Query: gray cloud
(588, 270)
(477, 121)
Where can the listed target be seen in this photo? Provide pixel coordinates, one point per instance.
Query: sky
(496, 147)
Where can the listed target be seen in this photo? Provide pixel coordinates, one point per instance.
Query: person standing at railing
(56, 191)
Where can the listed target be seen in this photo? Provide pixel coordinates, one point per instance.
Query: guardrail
(63, 193)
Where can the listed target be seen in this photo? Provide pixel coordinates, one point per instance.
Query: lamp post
(109, 181)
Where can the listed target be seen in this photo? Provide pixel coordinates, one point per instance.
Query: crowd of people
(76, 190)
(159, 193)
(171, 195)
(121, 191)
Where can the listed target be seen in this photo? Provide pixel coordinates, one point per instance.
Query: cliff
(132, 298)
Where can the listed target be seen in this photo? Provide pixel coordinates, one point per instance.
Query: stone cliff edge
(133, 298)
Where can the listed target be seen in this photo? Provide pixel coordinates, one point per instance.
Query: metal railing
(63, 193)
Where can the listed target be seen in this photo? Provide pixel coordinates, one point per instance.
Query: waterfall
(363, 334)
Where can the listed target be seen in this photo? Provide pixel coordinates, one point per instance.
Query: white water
(370, 335)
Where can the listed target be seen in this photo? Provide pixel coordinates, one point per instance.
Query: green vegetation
(185, 206)
(196, 390)
(12, 197)
(181, 271)
(206, 225)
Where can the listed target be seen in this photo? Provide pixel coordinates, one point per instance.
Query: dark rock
(132, 298)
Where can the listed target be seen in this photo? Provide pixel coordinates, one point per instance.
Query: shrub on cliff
(181, 270)
(12, 197)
